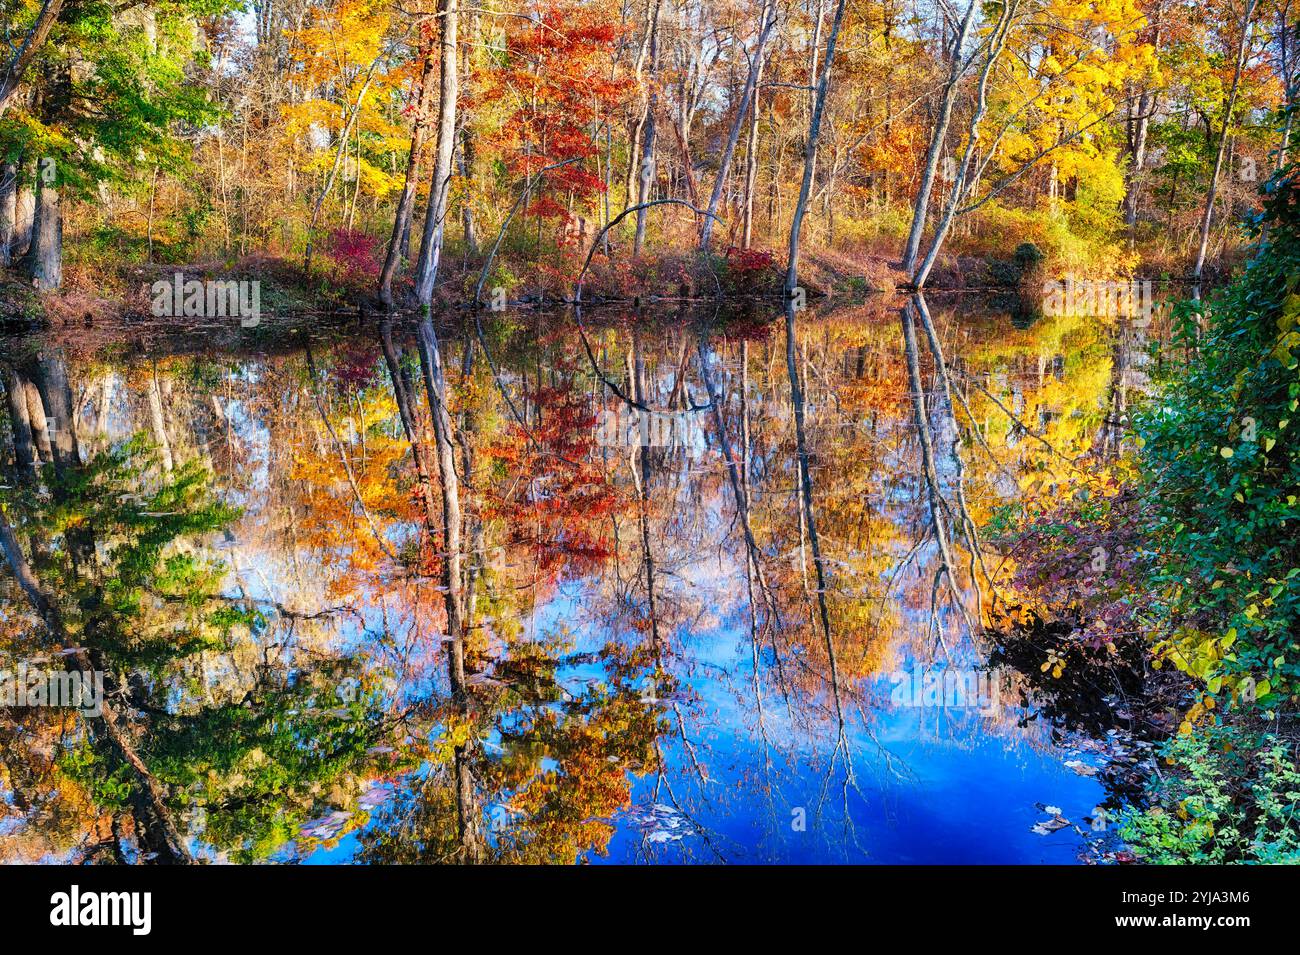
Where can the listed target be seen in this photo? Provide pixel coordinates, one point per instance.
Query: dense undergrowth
(1193, 558)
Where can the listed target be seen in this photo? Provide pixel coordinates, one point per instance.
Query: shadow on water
(540, 587)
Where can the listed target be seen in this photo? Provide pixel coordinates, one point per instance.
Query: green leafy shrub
(1231, 798)
(1222, 473)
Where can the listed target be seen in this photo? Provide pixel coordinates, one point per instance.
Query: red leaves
(356, 366)
(1088, 557)
(748, 260)
(561, 516)
(546, 207)
(555, 75)
(356, 253)
(748, 270)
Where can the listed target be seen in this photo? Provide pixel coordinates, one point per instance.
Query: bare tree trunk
(469, 227)
(1138, 128)
(8, 210)
(56, 396)
(426, 273)
(767, 17)
(435, 384)
(810, 154)
(36, 416)
(938, 507)
(159, 423)
(996, 44)
(805, 489)
(106, 397)
(645, 183)
(45, 257)
(467, 811)
(410, 423)
(405, 204)
(814, 50)
(468, 150)
(1288, 35)
(24, 211)
(1208, 212)
(920, 209)
(737, 472)
(688, 164)
(20, 421)
(471, 426)
(1284, 147)
(634, 135)
(436, 391)
(751, 164)
(1137, 160)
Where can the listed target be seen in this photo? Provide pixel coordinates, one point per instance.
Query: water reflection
(393, 591)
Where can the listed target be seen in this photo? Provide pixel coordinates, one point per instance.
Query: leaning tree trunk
(796, 388)
(1213, 192)
(426, 274)
(747, 99)
(12, 79)
(920, 209)
(810, 155)
(38, 421)
(405, 204)
(996, 44)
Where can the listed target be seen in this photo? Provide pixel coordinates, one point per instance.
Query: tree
(426, 272)
(92, 98)
(1243, 43)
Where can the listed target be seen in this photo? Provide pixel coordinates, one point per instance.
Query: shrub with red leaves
(355, 253)
(1087, 559)
(749, 271)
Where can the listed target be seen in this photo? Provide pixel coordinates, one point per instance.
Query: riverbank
(96, 291)
(1178, 553)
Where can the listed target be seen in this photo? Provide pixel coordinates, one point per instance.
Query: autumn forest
(649, 431)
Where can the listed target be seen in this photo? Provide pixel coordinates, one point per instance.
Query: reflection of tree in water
(542, 601)
(551, 766)
(209, 730)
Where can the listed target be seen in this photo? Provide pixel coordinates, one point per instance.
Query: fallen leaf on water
(1049, 826)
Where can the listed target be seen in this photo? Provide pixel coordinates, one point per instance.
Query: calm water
(643, 683)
